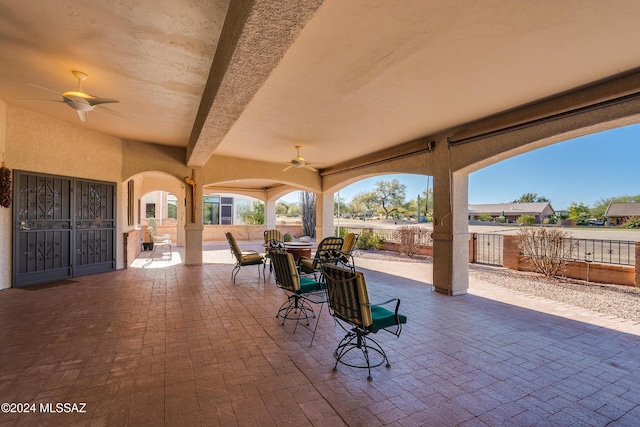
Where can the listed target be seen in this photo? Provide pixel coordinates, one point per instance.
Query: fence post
(637, 265)
(511, 252)
(473, 247)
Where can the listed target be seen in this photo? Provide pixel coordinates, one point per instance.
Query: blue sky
(582, 170)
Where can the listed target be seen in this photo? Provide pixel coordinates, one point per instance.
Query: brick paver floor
(175, 345)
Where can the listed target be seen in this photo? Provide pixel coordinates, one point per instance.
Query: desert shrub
(526, 220)
(632, 222)
(287, 237)
(369, 240)
(547, 248)
(485, 217)
(343, 232)
(501, 219)
(411, 239)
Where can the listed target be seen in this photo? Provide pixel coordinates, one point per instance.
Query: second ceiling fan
(299, 162)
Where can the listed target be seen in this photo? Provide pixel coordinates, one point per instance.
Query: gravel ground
(614, 300)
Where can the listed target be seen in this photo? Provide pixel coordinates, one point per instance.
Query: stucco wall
(37, 143)
(5, 214)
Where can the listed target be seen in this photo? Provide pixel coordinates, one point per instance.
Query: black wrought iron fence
(389, 234)
(488, 248)
(621, 252)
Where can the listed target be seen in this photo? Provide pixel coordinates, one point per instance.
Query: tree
(389, 195)
(600, 207)
(255, 215)
(578, 212)
(293, 210)
(531, 198)
(340, 203)
(426, 203)
(362, 203)
(282, 208)
(308, 206)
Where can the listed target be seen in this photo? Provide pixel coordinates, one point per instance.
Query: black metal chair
(297, 306)
(272, 238)
(349, 305)
(243, 258)
(328, 251)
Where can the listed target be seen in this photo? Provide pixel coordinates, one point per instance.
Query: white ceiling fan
(81, 101)
(299, 162)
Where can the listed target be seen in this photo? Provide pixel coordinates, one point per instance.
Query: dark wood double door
(63, 227)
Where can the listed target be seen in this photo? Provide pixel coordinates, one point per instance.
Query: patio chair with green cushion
(328, 252)
(349, 304)
(272, 238)
(297, 306)
(243, 258)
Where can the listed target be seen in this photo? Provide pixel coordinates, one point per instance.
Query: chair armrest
(250, 252)
(397, 300)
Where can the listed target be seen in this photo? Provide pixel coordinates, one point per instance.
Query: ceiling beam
(255, 37)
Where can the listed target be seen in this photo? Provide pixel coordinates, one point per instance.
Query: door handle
(23, 228)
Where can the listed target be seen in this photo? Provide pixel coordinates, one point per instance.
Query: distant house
(617, 213)
(511, 211)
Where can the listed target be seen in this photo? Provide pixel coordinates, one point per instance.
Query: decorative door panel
(42, 212)
(50, 225)
(94, 227)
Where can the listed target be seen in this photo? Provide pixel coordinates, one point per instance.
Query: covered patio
(183, 345)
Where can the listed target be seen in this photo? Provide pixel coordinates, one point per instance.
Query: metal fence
(620, 252)
(389, 234)
(488, 248)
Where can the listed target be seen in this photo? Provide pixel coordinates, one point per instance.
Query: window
(172, 206)
(211, 206)
(151, 210)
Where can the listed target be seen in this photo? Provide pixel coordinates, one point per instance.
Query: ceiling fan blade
(113, 112)
(311, 168)
(82, 115)
(97, 101)
(287, 168)
(47, 89)
(48, 100)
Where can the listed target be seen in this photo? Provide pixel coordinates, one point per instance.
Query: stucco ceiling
(341, 78)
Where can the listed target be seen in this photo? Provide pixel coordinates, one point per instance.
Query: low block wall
(215, 233)
(132, 245)
(396, 247)
(593, 271)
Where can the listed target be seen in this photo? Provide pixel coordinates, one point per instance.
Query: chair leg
(295, 308)
(358, 339)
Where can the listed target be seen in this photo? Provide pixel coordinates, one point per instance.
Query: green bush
(526, 220)
(287, 238)
(343, 232)
(632, 222)
(485, 217)
(368, 240)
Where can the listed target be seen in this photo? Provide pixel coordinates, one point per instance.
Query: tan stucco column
(270, 214)
(451, 229)
(193, 223)
(324, 216)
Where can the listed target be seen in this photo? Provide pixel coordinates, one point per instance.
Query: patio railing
(619, 252)
(489, 247)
